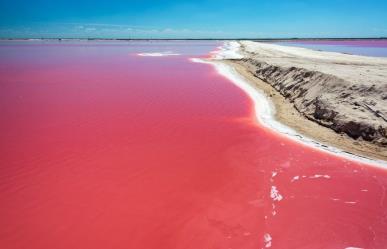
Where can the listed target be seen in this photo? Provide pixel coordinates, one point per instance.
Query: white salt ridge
(228, 51)
(158, 54)
(346, 202)
(264, 108)
(267, 239)
(274, 194)
(296, 178)
(320, 176)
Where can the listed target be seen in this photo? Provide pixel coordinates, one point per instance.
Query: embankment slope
(345, 93)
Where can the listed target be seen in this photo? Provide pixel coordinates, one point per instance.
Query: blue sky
(193, 18)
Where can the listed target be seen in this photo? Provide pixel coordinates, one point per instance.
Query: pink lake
(102, 148)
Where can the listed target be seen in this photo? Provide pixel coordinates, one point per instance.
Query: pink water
(101, 148)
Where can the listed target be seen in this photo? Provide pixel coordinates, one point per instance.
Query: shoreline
(280, 115)
(285, 113)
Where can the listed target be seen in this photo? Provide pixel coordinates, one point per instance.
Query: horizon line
(177, 39)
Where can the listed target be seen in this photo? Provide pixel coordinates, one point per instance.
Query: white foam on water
(264, 108)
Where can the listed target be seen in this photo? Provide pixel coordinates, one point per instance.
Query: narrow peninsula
(337, 99)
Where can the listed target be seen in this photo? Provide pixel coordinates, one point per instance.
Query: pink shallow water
(101, 148)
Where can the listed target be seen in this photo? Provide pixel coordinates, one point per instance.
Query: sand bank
(280, 111)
